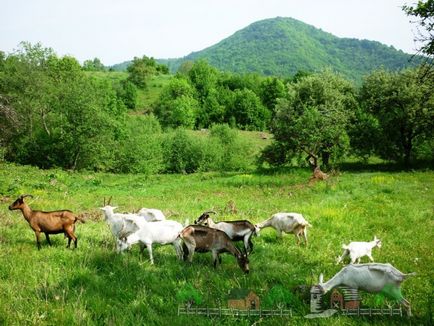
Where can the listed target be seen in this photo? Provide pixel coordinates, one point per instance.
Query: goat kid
(357, 250)
(53, 222)
(119, 228)
(198, 238)
(288, 223)
(236, 230)
(147, 233)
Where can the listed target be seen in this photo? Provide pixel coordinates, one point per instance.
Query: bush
(139, 150)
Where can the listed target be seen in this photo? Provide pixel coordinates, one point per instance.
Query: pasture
(93, 285)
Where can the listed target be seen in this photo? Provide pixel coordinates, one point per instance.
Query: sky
(119, 30)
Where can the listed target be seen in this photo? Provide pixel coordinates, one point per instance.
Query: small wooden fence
(182, 310)
(372, 312)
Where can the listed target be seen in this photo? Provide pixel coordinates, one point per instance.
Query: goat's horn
(103, 203)
(110, 199)
(24, 196)
(207, 212)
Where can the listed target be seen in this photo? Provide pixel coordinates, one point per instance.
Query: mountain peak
(281, 46)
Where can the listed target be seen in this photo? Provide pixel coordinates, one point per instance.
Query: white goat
(288, 223)
(357, 250)
(116, 221)
(151, 214)
(147, 233)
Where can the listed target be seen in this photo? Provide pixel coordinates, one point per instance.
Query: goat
(53, 222)
(236, 230)
(198, 238)
(357, 250)
(151, 214)
(373, 278)
(288, 223)
(147, 233)
(119, 228)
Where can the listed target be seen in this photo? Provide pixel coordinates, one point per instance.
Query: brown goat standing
(48, 222)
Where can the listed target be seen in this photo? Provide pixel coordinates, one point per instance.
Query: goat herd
(150, 226)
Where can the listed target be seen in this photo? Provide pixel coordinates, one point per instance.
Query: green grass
(94, 285)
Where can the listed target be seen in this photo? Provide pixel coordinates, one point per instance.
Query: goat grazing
(236, 230)
(288, 223)
(357, 250)
(147, 233)
(53, 222)
(202, 239)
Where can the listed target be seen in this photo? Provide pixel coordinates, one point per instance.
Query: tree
(271, 90)
(403, 106)
(93, 65)
(177, 105)
(140, 70)
(424, 11)
(64, 118)
(248, 111)
(313, 119)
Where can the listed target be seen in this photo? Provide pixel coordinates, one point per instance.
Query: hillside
(283, 46)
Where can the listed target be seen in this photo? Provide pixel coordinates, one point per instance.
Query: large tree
(403, 106)
(313, 119)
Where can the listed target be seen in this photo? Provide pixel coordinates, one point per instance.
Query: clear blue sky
(118, 30)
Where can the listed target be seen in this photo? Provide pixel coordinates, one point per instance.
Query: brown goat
(48, 222)
(202, 239)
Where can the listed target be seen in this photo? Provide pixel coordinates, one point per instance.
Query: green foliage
(424, 12)
(283, 46)
(60, 116)
(127, 92)
(141, 69)
(314, 118)
(403, 105)
(177, 105)
(230, 151)
(139, 148)
(248, 111)
(183, 153)
(93, 65)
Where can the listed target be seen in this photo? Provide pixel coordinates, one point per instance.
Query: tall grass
(93, 285)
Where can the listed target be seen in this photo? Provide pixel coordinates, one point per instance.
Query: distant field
(94, 285)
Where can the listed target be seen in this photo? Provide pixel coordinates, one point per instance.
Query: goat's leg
(341, 258)
(71, 236)
(149, 247)
(305, 236)
(38, 243)
(370, 258)
(48, 238)
(215, 258)
(279, 233)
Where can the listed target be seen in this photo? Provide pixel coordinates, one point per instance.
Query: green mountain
(283, 46)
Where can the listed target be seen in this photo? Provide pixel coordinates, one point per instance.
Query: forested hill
(283, 46)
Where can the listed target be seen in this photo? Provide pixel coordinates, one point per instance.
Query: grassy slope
(94, 285)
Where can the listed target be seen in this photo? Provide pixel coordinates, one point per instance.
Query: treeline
(54, 114)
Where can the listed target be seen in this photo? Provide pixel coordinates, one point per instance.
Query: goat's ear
(321, 278)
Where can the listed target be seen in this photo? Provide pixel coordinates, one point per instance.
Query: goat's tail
(345, 247)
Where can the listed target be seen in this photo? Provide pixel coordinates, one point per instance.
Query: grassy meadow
(93, 285)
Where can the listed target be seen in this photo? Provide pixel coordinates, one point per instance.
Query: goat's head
(19, 202)
(203, 219)
(377, 242)
(243, 262)
(108, 209)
